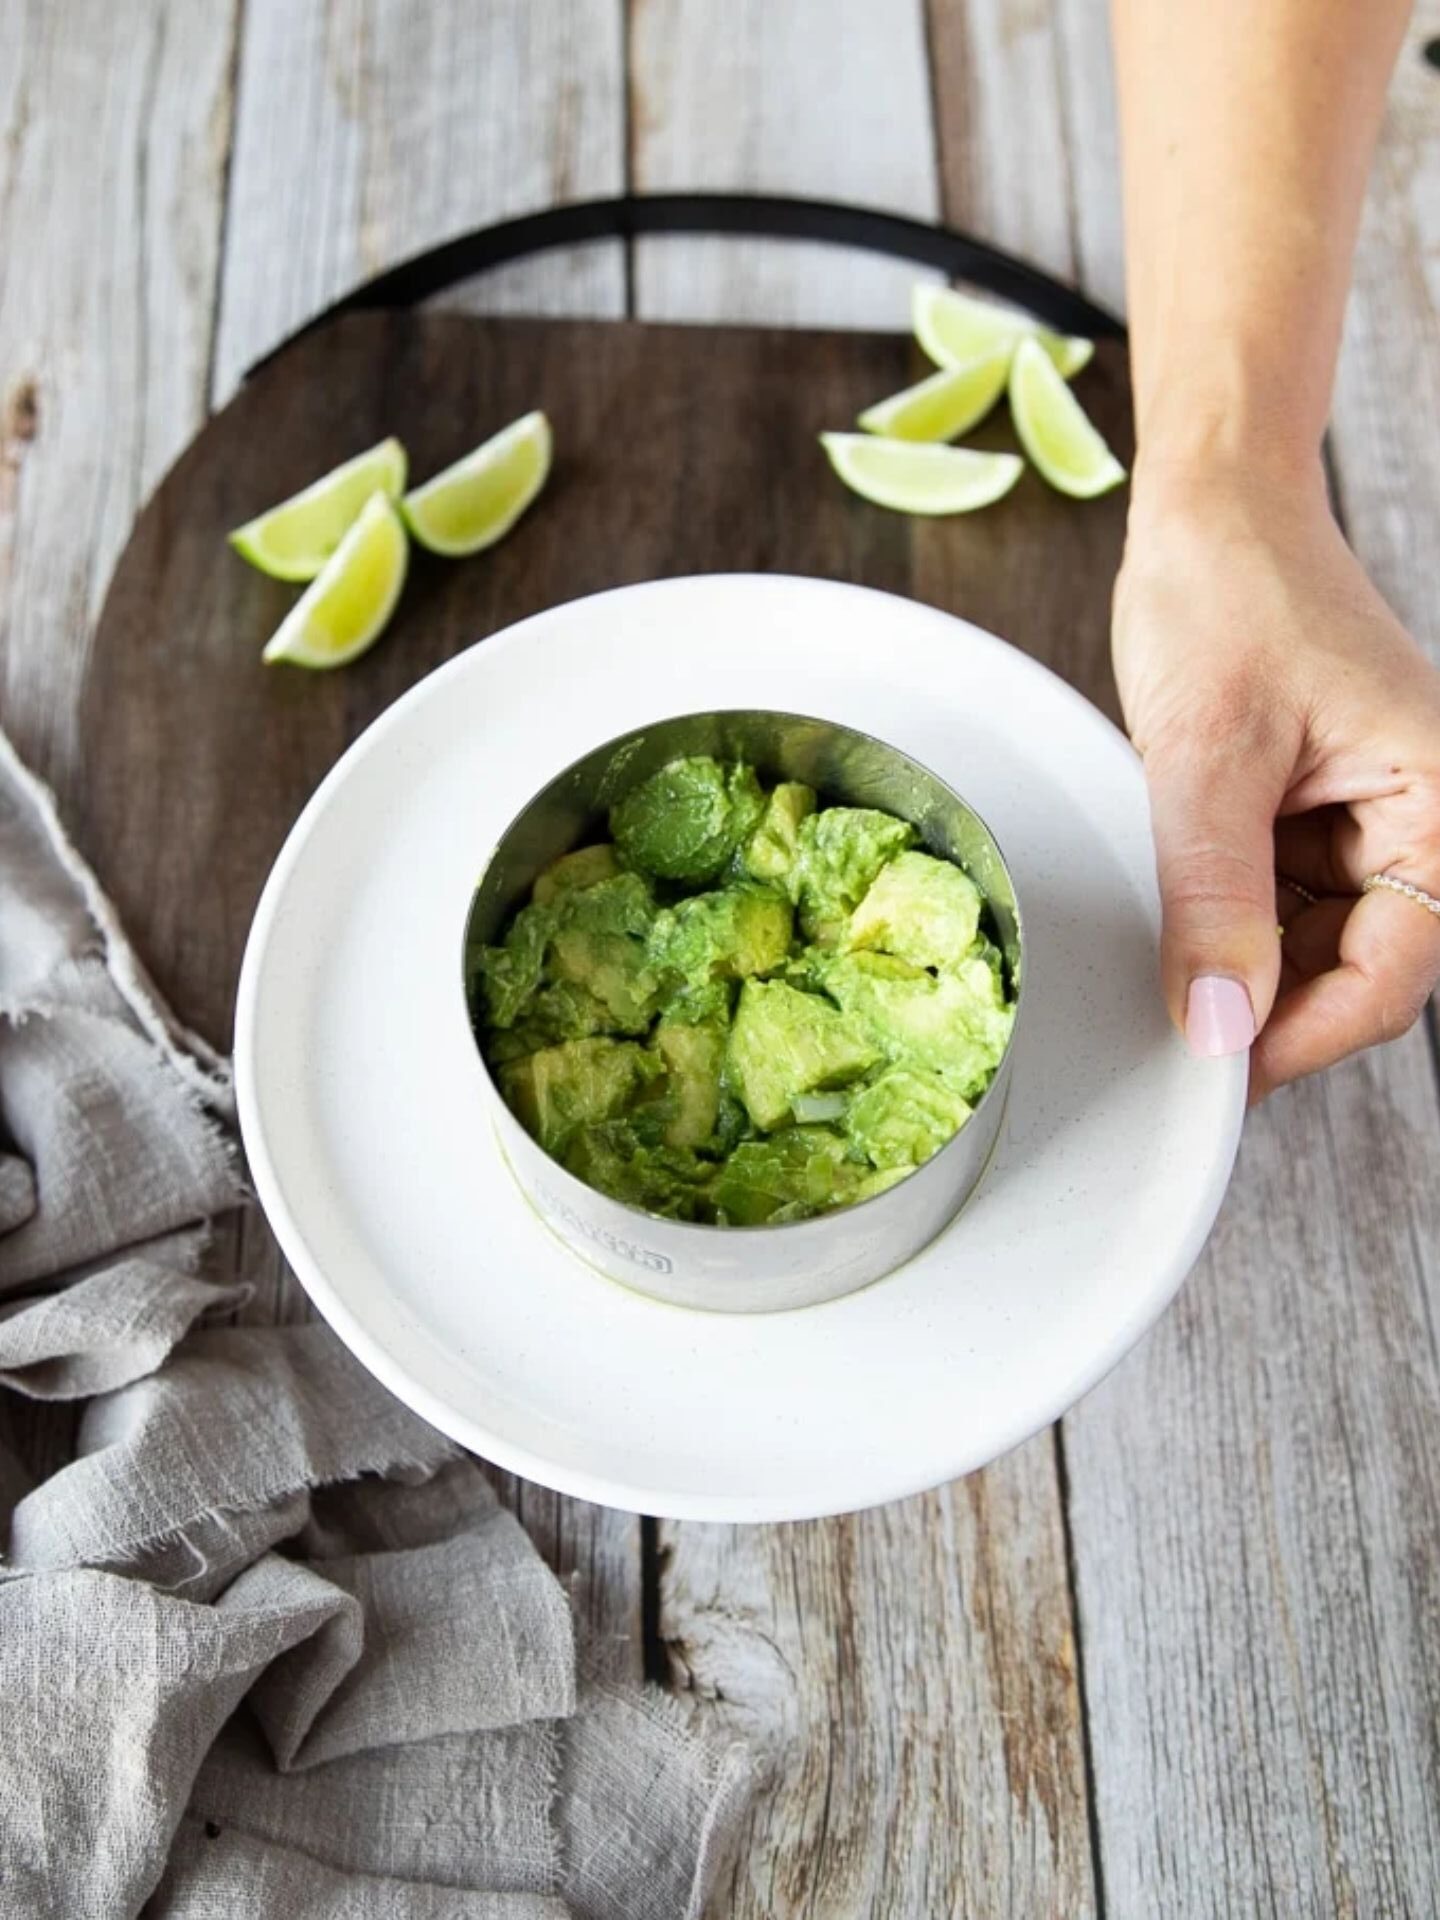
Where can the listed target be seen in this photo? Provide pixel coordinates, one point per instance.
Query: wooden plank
(909, 1673)
(856, 1651)
(1254, 1500)
(1254, 1509)
(368, 130)
(1029, 152)
(115, 117)
(822, 97)
(1387, 398)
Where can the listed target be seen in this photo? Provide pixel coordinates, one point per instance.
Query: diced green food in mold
(701, 1059)
(775, 844)
(900, 1119)
(573, 872)
(955, 1024)
(922, 909)
(841, 850)
(785, 1043)
(729, 935)
(687, 821)
(560, 1089)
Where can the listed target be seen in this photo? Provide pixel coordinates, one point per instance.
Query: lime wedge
(953, 328)
(1054, 430)
(476, 502)
(345, 610)
(948, 403)
(294, 540)
(914, 478)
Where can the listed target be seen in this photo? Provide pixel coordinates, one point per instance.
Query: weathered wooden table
(1181, 1655)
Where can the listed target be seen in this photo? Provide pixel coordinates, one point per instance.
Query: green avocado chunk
(841, 850)
(572, 872)
(614, 1159)
(561, 1012)
(785, 1043)
(900, 1119)
(954, 1024)
(560, 1089)
(800, 1168)
(509, 975)
(922, 909)
(601, 943)
(687, 821)
(729, 935)
(774, 845)
(689, 1002)
(688, 1106)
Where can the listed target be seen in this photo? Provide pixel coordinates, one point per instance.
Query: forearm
(1247, 129)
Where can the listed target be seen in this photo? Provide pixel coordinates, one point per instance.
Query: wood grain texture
(1387, 398)
(1252, 1494)
(845, 1829)
(1025, 127)
(822, 97)
(909, 1673)
(1254, 1499)
(368, 130)
(114, 123)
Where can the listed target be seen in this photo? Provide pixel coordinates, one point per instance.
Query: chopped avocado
(785, 1043)
(729, 935)
(686, 821)
(659, 1022)
(561, 1012)
(694, 1057)
(509, 975)
(903, 1117)
(922, 909)
(667, 1181)
(955, 1024)
(770, 854)
(602, 945)
(559, 1089)
(573, 872)
(691, 1001)
(802, 1170)
(841, 851)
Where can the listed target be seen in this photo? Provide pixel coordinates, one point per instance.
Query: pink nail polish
(1218, 1017)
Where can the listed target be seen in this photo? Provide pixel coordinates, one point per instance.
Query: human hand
(1290, 728)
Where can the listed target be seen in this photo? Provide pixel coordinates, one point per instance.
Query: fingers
(1389, 961)
(1213, 813)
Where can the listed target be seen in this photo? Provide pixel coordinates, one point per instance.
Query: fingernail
(1218, 1017)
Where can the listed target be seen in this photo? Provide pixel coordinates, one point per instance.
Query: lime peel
(953, 327)
(948, 403)
(476, 502)
(294, 540)
(348, 606)
(1055, 430)
(909, 476)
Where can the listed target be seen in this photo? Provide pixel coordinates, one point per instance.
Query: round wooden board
(678, 450)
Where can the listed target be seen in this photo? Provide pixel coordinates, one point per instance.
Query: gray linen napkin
(269, 1645)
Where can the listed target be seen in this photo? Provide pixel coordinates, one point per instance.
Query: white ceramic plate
(364, 1119)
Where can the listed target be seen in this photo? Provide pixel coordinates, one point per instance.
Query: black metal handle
(764, 216)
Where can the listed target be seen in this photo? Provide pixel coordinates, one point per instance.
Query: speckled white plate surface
(364, 1121)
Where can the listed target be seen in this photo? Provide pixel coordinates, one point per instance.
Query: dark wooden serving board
(678, 450)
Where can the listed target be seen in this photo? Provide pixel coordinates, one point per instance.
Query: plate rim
(599, 1487)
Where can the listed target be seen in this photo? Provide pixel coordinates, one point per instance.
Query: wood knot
(20, 421)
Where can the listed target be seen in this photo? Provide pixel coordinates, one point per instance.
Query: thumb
(1213, 807)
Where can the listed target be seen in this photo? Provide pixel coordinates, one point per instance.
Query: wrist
(1227, 419)
(1196, 475)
